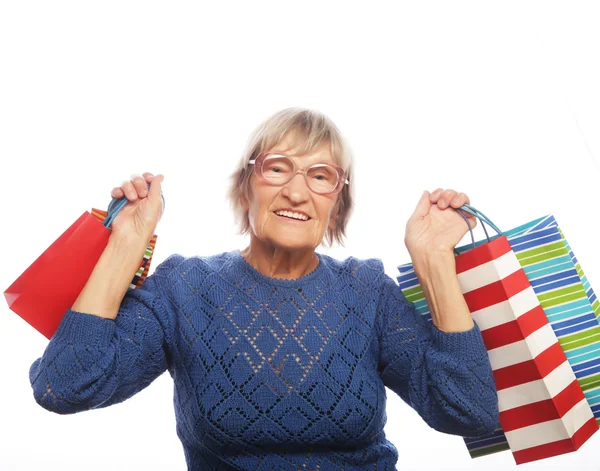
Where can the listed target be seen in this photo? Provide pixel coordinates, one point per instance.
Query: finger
(116, 192)
(435, 195)
(470, 216)
(470, 219)
(154, 194)
(445, 199)
(423, 207)
(129, 191)
(148, 176)
(459, 200)
(140, 185)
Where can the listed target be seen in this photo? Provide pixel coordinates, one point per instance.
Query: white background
(499, 100)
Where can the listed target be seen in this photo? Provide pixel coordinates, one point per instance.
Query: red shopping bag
(51, 285)
(543, 410)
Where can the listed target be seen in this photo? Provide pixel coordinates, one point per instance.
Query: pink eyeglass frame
(261, 157)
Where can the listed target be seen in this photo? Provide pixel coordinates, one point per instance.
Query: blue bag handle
(467, 208)
(117, 204)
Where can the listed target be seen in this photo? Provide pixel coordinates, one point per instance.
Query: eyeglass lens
(322, 178)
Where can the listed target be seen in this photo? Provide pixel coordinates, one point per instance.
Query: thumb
(472, 221)
(155, 192)
(423, 206)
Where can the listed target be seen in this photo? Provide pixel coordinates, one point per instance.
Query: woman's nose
(297, 188)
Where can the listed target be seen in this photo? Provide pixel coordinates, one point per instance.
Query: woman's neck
(276, 262)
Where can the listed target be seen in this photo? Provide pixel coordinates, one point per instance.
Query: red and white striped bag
(543, 411)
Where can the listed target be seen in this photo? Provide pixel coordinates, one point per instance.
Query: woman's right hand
(144, 209)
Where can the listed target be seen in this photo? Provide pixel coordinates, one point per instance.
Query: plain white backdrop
(499, 100)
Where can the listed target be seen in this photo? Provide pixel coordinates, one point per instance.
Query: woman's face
(265, 199)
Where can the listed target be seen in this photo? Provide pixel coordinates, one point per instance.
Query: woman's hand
(139, 217)
(434, 227)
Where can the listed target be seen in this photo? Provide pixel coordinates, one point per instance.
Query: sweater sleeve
(445, 377)
(92, 362)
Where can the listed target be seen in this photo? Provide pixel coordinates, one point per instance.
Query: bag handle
(117, 204)
(467, 208)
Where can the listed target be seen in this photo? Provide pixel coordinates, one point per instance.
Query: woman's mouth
(290, 218)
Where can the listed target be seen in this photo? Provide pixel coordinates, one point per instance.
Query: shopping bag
(51, 284)
(543, 411)
(568, 299)
(570, 305)
(142, 273)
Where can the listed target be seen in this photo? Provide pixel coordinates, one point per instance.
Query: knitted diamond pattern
(273, 374)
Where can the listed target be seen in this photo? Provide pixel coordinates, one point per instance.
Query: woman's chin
(290, 243)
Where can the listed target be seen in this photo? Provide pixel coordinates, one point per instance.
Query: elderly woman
(280, 355)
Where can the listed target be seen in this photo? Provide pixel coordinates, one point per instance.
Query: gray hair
(313, 130)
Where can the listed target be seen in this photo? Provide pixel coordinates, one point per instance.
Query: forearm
(107, 360)
(437, 276)
(445, 376)
(103, 293)
(458, 392)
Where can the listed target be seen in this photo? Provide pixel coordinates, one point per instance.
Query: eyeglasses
(277, 169)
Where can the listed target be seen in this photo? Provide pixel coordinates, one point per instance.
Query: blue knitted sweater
(273, 374)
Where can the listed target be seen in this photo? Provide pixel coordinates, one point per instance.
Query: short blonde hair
(313, 130)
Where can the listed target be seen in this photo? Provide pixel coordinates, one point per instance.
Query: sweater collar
(240, 263)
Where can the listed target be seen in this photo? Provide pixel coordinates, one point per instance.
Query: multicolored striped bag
(570, 304)
(142, 273)
(538, 391)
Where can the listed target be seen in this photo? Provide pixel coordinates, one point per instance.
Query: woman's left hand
(435, 227)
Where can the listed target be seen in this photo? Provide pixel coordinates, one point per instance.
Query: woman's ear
(332, 223)
(333, 218)
(244, 200)
(244, 203)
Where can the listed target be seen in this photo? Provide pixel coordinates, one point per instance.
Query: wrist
(111, 277)
(436, 272)
(433, 261)
(128, 252)
(127, 242)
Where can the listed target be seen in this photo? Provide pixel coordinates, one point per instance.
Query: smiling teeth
(292, 215)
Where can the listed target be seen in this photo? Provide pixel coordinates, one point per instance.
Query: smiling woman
(314, 139)
(280, 355)
(296, 161)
